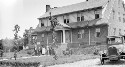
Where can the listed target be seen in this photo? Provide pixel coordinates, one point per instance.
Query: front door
(68, 40)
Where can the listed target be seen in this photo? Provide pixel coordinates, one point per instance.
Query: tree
(16, 30)
(8, 44)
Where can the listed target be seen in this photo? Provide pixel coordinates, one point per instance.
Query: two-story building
(85, 23)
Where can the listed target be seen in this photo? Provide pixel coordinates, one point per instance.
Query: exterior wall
(116, 19)
(94, 40)
(43, 40)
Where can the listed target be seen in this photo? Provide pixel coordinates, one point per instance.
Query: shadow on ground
(107, 62)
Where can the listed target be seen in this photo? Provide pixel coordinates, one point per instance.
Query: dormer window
(42, 24)
(97, 13)
(80, 17)
(96, 16)
(66, 19)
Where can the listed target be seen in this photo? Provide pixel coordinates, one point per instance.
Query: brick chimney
(48, 8)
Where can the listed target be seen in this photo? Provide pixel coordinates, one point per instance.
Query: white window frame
(80, 15)
(81, 33)
(97, 12)
(67, 18)
(97, 30)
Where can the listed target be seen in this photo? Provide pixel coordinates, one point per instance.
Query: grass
(49, 60)
(80, 54)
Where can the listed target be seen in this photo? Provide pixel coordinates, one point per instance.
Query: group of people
(44, 50)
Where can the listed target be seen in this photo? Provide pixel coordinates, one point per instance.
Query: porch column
(64, 36)
(89, 37)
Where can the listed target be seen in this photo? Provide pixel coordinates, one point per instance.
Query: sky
(25, 14)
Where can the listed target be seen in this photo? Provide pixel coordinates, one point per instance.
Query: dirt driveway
(92, 63)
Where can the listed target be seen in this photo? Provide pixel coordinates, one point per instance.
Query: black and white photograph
(62, 33)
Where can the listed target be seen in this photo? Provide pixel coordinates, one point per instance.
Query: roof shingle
(75, 7)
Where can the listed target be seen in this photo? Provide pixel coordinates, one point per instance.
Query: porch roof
(42, 29)
(83, 23)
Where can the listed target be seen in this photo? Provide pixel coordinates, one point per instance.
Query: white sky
(24, 13)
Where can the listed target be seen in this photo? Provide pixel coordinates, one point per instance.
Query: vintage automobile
(115, 49)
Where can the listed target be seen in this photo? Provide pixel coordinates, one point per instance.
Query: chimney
(48, 8)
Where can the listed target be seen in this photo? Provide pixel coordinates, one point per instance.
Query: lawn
(49, 60)
(79, 54)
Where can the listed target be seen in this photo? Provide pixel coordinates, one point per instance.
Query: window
(96, 16)
(97, 12)
(80, 17)
(66, 19)
(97, 32)
(114, 31)
(119, 31)
(42, 24)
(80, 34)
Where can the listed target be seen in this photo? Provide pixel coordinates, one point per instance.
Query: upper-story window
(97, 15)
(66, 18)
(80, 17)
(42, 24)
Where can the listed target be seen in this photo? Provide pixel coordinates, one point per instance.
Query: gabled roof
(75, 7)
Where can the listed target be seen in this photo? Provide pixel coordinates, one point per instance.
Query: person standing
(15, 54)
(47, 48)
(35, 48)
(39, 51)
(43, 51)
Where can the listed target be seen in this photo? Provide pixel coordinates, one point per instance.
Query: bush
(30, 52)
(22, 64)
(96, 52)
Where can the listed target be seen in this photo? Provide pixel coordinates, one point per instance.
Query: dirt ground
(92, 63)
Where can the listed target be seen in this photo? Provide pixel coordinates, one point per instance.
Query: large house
(85, 23)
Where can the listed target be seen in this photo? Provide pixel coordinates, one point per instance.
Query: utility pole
(53, 25)
(16, 30)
